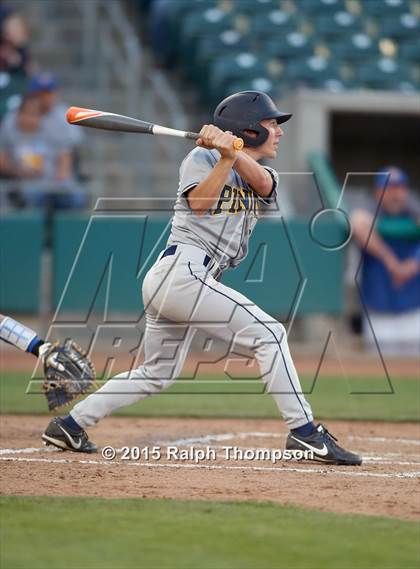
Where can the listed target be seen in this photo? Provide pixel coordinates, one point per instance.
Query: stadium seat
(404, 26)
(199, 24)
(249, 7)
(212, 47)
(332, 84)
(180, 8)
(256, 84)
(225, 45)
(243, 67)
(309, 7)
(313, 69)
(408, 87)
(354, 47)
(164, 18)
(207, 22)
(271, 23)
(409, 51)
(337, 24)
(385, 8)
(385, 73)
(293, 44)
(177, 13)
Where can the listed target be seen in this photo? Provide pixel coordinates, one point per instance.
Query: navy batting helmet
(244, 111)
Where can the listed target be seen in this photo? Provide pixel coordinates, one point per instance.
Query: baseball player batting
(221, 191)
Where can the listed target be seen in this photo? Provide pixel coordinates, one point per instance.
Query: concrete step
(56, 55)
(61, 33)
(49, 9)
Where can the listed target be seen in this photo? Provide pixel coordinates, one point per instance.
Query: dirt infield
(386, 484)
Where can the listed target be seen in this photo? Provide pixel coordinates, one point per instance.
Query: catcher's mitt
(68, 372)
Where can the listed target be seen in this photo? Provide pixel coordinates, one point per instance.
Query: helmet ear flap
(254, 141)
(261, 133)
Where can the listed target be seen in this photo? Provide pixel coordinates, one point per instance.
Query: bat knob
(238, 144)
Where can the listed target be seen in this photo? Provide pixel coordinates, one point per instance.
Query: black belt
(172, 250)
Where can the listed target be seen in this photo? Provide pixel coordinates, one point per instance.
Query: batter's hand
(212, 137)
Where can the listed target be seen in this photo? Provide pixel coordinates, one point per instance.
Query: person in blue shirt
(388, 233)
(38, 160)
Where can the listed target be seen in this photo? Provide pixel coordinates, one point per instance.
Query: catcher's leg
(166, 345)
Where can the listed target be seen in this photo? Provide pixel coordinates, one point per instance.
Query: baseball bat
(121, 123)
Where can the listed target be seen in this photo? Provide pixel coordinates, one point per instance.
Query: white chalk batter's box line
(372, 458)
(321, 470)
(384, 458)
(259, 434)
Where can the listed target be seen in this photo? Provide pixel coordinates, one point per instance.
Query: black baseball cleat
(60, 435)
(324, 448)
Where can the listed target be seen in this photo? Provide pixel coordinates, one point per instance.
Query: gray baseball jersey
(224, 230)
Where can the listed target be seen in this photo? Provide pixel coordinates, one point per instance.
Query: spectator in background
(44, 86)
(38, 160)
(390, 285)
(14, 37)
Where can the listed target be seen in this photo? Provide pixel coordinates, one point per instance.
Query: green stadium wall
(99, 263)
(21, 238)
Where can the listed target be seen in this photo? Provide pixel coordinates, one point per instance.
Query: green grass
(332, 398)
(43, 533)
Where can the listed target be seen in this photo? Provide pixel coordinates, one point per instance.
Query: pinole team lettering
(234, 200)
